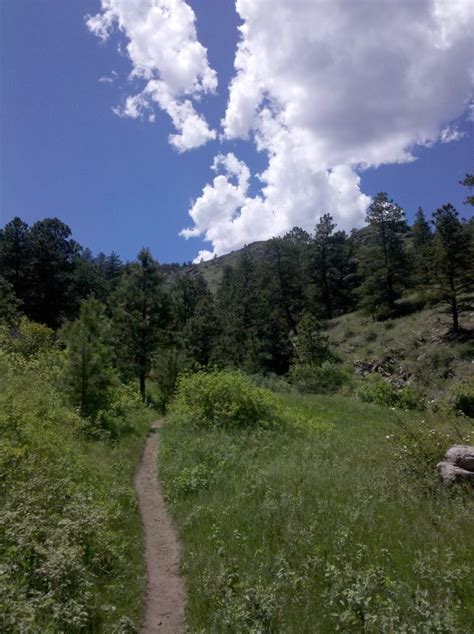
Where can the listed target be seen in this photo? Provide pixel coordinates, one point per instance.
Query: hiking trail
(165, 595)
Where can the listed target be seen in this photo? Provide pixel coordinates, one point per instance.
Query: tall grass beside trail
(71, 558)
(332, 521)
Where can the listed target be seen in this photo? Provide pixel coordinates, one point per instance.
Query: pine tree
(52, 273)
(286, 257)
(15, 257)
(422, 241)
(237, 302)
(9, 303)
(421, 231)
(383, 264)
(332, 269)
(452, 260)
(195, 320)
(89, 359)
(201, 331)
(322, 261)
(468, 181)
(311, 344)
(141, 316)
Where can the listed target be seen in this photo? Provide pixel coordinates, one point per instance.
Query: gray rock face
(458, 465)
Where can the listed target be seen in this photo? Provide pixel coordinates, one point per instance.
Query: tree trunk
(454, 305)
(455, 314)
(142, 384)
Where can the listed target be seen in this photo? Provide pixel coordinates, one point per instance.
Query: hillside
(411, 350)
(212, 270)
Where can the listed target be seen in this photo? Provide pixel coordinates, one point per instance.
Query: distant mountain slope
(212, 270)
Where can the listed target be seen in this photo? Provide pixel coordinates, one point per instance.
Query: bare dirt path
(165, 596)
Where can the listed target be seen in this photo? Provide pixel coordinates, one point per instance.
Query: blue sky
(115, 180)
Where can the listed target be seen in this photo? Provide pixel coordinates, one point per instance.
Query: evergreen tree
(421, 231)
(383, 264)
(87, 280)
(141, 316)
(452, 259)
(52, 267)
(9, 303)
(237, 300)
(422, 239)
(286, 258)
(322, 261)
(89, 361)
(311, 344)
(15, 257)
(253, 326)
(195, 318)
(468, 181)
(201, 331)
(332, 269)
(187, 293)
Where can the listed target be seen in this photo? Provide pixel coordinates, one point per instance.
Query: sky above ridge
(194, 127)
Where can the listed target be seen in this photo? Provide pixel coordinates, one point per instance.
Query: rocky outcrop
(458, 465)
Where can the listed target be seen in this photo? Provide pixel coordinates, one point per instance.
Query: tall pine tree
(421, 245)
(141, 316)
(383, 264)
(452, 260)
(89, 358)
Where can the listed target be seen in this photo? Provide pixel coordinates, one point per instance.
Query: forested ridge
(257, 311)
(92, 348)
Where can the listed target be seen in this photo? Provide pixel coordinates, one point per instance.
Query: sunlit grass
(303, 530)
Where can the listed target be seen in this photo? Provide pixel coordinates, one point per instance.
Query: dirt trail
(165, 597)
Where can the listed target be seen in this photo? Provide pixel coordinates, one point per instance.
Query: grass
(413, 346)
(324, 526)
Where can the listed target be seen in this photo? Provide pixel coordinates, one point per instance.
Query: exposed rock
(461, 456)
(452, 474)
(458, 465)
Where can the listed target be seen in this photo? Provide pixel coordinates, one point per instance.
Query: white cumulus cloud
(166, 55)
(327, 87)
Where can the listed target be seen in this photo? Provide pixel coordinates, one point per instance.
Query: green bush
(272, 382)
(459, 400)
(464, 402)
(226, 399)
(441, 360)
(26, 338)
(324, 379)
(466, 350)
(71, 554)
(118, 419)
(375, 390)
(371, 335)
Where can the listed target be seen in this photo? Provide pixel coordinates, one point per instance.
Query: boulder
(458, 465)
(461, 456)
(451, 474)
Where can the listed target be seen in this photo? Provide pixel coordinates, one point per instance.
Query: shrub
(272, 382)
(226, 399)
(375, 390)
(460, 399)
(464, 401)
(441, 359)
(70, 536)
(466, 351)
(118, 419)
(26, 338)
(371, 335)
(324, 379)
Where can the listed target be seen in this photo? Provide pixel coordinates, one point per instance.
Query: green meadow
(332, 520)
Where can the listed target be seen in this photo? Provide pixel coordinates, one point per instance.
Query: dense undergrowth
(336, 523)
(71, 538)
